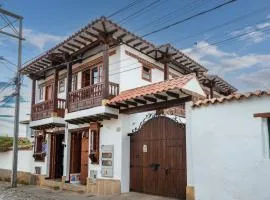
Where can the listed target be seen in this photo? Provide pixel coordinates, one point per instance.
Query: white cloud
(225, 63)
(253, 34)
(256, 80)
(39, 39)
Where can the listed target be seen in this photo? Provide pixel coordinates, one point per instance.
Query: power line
(243, 17)
(139, 11)
(232, 38)
(190, 7)
(125, 8)
(189, 18)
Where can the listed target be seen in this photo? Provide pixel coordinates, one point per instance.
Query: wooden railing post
(55, 94)
(106, 70)
(69, 80)
(33, 96)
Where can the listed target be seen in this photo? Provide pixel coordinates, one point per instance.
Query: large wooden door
(158, 158)
(56, 156)
(84, 158)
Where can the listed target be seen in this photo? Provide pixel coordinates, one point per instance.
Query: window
(74, 82)
(40, 147)
(146, 73)
(94, 144)
(61, 86)
(40, 93)
(94, 75)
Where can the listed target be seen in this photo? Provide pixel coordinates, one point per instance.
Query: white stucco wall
(25, 160)
(228, 150)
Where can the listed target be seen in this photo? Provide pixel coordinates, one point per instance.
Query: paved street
(36, 193)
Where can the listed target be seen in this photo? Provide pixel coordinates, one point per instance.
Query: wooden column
(166, 71)
(69, 80)
(106, 70)
(55, 92)
(33, 94)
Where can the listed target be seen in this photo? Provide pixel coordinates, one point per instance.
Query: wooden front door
(84, 157)
(56, 156)
(158, 158)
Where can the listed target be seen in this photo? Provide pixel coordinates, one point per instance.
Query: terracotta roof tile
(232, 97)
(176, 83)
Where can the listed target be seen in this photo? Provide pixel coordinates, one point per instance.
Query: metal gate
(158, 158)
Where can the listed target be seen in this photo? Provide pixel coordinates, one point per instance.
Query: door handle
(167, 170)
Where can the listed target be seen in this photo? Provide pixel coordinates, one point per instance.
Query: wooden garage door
(158, 158)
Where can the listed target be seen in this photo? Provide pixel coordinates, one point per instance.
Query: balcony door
(92, 76)
(48, 92)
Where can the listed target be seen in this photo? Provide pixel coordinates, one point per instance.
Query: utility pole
(17, 35)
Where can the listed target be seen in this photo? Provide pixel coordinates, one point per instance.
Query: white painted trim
(50, 120)
(91, 111)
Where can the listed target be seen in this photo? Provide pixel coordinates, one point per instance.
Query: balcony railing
(45, 109)
(90, 96)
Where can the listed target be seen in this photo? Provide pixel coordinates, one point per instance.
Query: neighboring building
(228, 149)
(92, 100)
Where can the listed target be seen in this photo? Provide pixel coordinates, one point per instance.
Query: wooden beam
(68, 48)
(86, 38)
(144, 48)
(122, 104)
(80, 42)
(111, 115)
(151, 51)
(130, 40)
(137, 44)
(131, 103)
(55, 90)
(156, 106)
(103, 116)
(151, 99)
(120, 37)
(140, 101)
(172, 94)
(262, 115)
(73, 45)
(91, 34)
(161, 97)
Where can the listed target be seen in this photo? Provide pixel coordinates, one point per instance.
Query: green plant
(6, 143)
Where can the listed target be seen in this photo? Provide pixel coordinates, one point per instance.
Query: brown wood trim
(91, 63)
(47, 82)
(262, 115)
(143, 61)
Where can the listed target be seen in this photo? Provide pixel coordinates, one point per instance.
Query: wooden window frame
(99, 66)
(39, 154)
(150, 73)
(61, 90)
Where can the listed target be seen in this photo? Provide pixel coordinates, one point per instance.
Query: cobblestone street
(36, 193)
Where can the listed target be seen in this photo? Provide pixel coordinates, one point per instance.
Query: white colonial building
(108, 111)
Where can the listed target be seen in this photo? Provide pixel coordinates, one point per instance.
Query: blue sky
(244, 62)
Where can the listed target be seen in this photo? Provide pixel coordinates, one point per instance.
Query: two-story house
(90, 96)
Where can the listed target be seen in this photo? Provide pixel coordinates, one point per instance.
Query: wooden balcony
(46, 109)
(90, 96)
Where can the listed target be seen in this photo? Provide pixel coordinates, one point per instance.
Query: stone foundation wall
(104, 187)
(23, 177)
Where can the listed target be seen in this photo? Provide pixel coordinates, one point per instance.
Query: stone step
(74, 187)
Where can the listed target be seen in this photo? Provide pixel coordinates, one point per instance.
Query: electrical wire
(188, 18)
(133, 3)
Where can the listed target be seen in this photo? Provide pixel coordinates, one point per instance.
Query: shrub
(6, 143)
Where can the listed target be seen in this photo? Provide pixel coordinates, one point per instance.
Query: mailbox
(107, 160)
